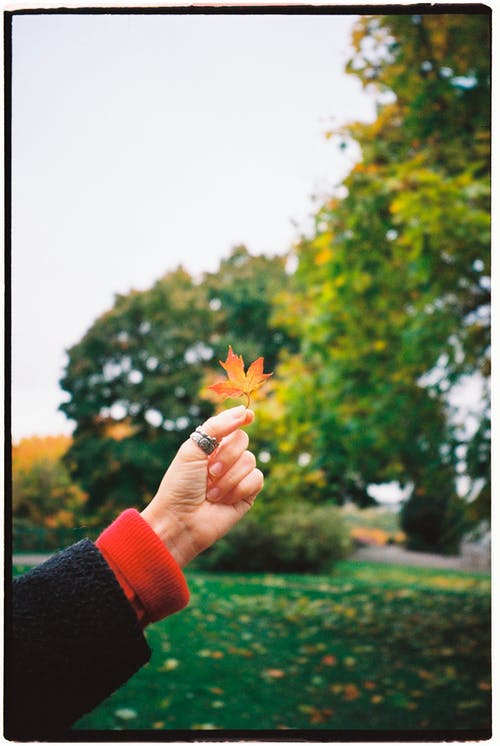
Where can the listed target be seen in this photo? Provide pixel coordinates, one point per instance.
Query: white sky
(142, 142)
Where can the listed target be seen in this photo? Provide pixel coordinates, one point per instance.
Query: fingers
(239, 481)
(227, 422)
(232, 474)
(219, 426)
(243, 496)
(248, 489)
(228, 452)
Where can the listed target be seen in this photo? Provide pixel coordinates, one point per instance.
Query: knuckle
(259, 478)
(208, 425)
(189, 451)
(245, 440)
(186, 447)
(249, 459)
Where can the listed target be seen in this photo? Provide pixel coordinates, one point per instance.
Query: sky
(143, 142)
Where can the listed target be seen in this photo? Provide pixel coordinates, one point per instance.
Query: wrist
(172, 532)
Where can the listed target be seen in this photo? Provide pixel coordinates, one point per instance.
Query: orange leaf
(484, 685)
(275, 673)
(351, 692)
(329, 660)
(238, 382)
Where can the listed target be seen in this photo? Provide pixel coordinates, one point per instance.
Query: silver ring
(206, 442)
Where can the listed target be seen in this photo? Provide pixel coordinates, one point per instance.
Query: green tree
(241, 294)
(391, 294)
(137, 379)
(133, 382)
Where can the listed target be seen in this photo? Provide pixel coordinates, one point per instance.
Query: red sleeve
(148, 574)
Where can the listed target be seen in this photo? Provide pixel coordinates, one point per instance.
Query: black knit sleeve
(73, 640)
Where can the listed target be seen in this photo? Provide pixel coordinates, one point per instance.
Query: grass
(372, 647)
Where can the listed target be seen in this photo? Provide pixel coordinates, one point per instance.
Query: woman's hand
(201, 497)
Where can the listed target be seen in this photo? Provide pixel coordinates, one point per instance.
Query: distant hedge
(302, 539)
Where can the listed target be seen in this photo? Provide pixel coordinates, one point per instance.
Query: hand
(201, 497)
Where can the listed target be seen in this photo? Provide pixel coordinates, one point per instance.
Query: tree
(137, 379)
(133, 382)
(241, 293)
(43, 494)
(391, 294)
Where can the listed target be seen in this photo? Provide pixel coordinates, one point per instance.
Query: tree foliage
(241, 294)
(137, 380)
(43, 494)
(391, 294)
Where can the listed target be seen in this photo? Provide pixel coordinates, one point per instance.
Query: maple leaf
(238, 382)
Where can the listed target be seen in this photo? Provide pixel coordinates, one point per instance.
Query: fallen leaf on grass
(216, 690)
(125, 713)
(170, 664)
(329, 660)
(426, 675)
(336, 688)
(469, 704)
(204, 726)
(275, 673)
(316, 715)
(351, 692)
(485, 686)
(210, 653)
(349, 662)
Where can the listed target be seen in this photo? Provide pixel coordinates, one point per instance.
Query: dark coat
(73, 639)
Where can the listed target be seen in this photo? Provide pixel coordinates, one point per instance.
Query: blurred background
(314, 189)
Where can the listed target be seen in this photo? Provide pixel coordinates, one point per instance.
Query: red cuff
(148, 574)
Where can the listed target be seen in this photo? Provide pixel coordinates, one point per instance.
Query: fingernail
(238, 411)
(216, 469)
(213, 494)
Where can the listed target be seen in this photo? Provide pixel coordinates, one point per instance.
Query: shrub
(434, 524)
(300, 539)
(247, 548)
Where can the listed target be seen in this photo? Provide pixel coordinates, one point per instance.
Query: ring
(207, 443)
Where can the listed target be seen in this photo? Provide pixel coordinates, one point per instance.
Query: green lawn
(368, 647)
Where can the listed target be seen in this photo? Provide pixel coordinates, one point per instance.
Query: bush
(434, 524)
(301, 539)
(28, 537)
(247, 548)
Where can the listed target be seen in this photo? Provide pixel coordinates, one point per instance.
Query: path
(399, 556)
(29, 559)
(389, 554)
